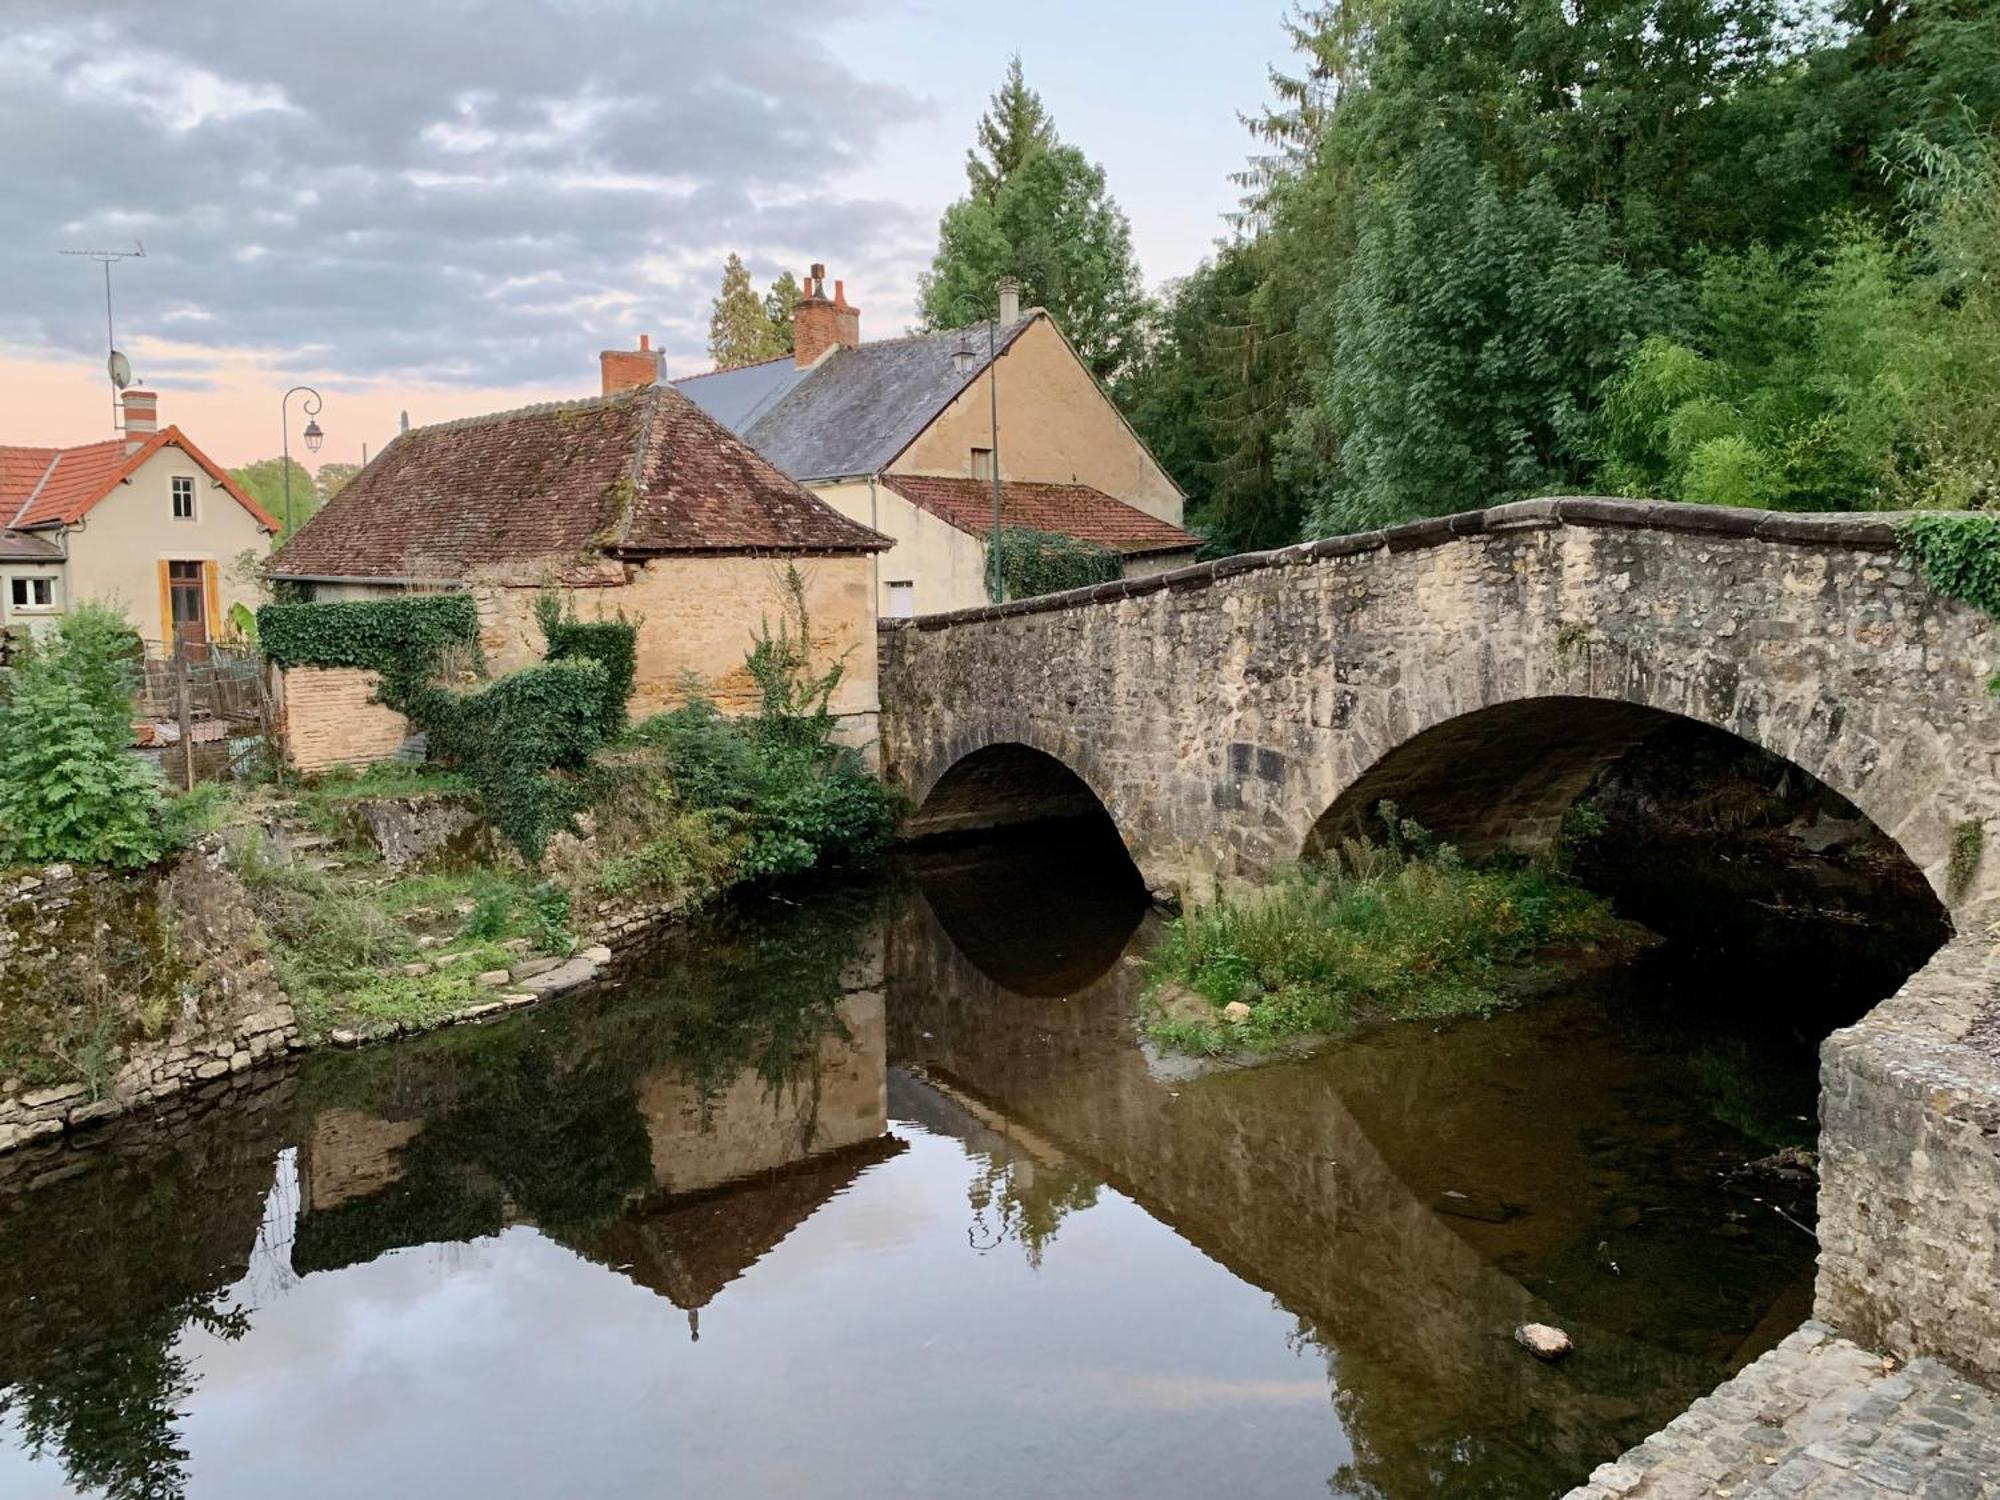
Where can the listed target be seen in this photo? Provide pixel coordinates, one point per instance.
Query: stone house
(635, 502)
(145, 522)
(900, 435)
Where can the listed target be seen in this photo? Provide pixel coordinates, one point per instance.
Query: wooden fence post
(184, 706)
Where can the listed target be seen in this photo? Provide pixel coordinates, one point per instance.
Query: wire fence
(204, 707)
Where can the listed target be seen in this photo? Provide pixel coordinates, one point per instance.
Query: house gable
(1078, 436)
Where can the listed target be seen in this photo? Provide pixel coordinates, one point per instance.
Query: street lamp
(313, 436)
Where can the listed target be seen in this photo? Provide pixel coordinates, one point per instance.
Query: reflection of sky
(873, 1352)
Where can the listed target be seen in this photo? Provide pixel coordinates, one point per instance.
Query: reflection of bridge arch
(1267, 1172)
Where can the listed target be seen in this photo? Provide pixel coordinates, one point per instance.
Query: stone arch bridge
(1479, 669)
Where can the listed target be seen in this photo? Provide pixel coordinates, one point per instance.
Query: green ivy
(613, 645)
(1959, 556)
(400, 638)
(522, 740)
(1033, 562)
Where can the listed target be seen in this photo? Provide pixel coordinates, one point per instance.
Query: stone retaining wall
(139, 986)
(1909, 1221)
(328, 716)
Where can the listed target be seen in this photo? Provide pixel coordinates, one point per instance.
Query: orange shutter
(166, 606)
(211, 601)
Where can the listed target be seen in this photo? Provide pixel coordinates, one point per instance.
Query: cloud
(483, 193)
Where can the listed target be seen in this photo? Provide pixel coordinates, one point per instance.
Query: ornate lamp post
(313, 436)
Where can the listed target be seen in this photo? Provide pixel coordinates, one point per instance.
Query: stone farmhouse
(637, 503)
(145, 522)
(900, 435)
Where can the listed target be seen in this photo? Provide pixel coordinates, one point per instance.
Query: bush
(69, 787)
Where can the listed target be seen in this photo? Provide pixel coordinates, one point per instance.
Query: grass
(1383, 933)
(340, 944)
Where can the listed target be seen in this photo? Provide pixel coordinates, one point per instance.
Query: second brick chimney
(626, 369)
(818, 323)
(142, 417)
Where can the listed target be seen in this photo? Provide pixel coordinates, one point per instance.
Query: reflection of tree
(1027, 1199)
(110, 1410)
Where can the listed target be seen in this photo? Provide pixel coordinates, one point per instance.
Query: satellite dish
(120, 368)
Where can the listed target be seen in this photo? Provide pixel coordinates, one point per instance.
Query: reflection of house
(146, 522)
(716, 1179)
(900, 435)
(635, 502)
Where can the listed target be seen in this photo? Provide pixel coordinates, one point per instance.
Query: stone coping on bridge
(1872, 530)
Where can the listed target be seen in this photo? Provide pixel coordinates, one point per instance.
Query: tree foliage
(1723, 250)
(264, 482)
(741, 329)
(1040, 212)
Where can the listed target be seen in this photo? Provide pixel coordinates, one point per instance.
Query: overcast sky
(448, 208)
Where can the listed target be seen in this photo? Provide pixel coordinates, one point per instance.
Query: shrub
(401, 638)
(69, 787)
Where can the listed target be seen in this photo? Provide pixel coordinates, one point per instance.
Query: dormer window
(183, 497)
(982, 463)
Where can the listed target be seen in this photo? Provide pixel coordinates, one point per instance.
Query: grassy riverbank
(1384, 933)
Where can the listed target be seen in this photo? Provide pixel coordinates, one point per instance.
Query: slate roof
(637, 473)
(855, 410)
(58, 486)
(1074, 509)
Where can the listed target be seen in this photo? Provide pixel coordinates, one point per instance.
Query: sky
(451, 208)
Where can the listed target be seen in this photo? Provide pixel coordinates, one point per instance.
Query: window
(183, 497)
(902, 600)
(982, 463)
(33, 593)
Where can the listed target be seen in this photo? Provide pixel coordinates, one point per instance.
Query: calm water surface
(876, 1192)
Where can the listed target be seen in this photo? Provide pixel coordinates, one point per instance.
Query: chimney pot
(645, 341)
(1010, 301)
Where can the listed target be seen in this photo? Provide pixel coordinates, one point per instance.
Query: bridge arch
(1006, 776)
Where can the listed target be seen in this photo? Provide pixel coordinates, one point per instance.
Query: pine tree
(1014, 129)
(778, 305)
(739, 330)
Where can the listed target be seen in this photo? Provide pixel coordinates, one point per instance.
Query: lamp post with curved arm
(313, 436)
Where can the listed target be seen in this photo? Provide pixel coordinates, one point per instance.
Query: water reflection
(877, 1191)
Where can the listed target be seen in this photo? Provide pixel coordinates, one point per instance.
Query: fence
(204, 706)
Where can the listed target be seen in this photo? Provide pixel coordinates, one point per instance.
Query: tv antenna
(116, 365)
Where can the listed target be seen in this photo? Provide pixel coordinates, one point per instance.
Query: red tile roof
(640, 472)
(1073, 509)
(57, 486)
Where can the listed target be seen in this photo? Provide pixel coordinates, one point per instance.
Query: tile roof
(1073, 509)
(21, 546)
(642, 471)
(58, 486)
(856, 409)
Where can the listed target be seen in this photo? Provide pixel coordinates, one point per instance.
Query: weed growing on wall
(1047, 562)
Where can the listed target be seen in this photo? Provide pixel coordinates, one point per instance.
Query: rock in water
(1542, 1341)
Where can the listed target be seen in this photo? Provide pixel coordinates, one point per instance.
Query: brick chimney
(142, 417)
(818, 323)
(627, 369)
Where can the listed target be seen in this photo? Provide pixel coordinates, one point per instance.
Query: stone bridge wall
(1480, 668)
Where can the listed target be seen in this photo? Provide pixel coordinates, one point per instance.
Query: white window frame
(908, 595)
(175, 491)
(25, 583)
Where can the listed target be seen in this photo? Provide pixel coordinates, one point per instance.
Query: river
(873, 1190)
